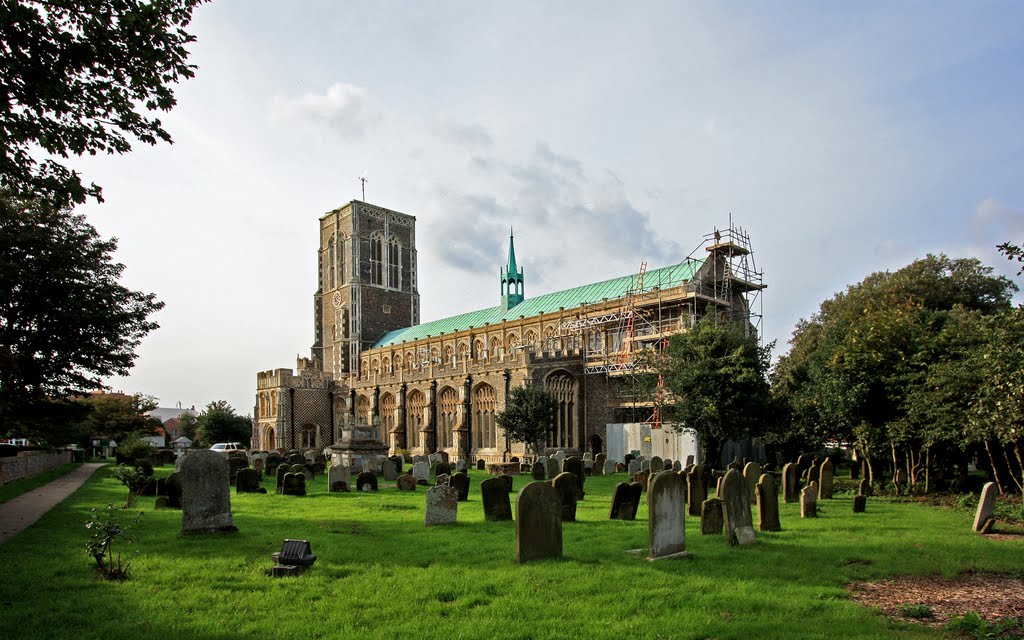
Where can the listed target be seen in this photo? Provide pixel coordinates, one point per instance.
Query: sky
(844, 138)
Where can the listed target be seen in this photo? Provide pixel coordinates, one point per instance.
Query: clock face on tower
(337, 299)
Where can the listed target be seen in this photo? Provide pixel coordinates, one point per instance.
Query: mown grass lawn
(382, 574)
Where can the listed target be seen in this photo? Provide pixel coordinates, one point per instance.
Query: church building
(437, 385)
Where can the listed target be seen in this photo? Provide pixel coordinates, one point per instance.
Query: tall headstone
(752, 473)
(460, 482)
(282, 471)
(739, 524)
(421, 471)
(657, 464)
(689, 460)
(294, 484)
(442, 505)
(494, 494)
(625, 501)
(566, 484)
(809, 502)
(666, 531)
(538, 523)
(599, 460)
(248, 481)
(390, 472)
(790, 483)
(338, 478)
(461, 466)
(610, 467)
(767, 504)
(825, 476)
(696, 491)
(986, 507)
(206, 495)
(172, 487)
(481, 464)
(711, 517)
(574, 466)
(553, 467)
(633, 468)
(538, 472)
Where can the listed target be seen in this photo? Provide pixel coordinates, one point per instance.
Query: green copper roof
(511, 269)
(570, 298)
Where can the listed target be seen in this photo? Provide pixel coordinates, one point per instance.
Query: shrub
(974, 625)
(133, 448)
(106, 528)
(917, 611)
(135, 479)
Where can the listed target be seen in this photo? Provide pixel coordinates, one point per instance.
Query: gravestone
(813, 471)
(809, 502)
(657, 464)
(338, 477)
(696, 490)
(599, 461)
(625, 501)
(538, 523)
(560, 456)
(444, 457)
(460, 482)
(825, 475)
(494, 494)
(588, 467)
(296, 458)
(421, 471)
(574, 466)
(272, 462)
(666, 503)
(248, 481)
(790, 483)
(865, 487)
(508, 480)
(711, 518)
(752, 473)
(854, 470)
(645, 465)
(611, 467)
(172, 487)
(366, 481)
(460, 466)
(859, 503)
(442, 505)
(206, 495)
(442, 479)
(566, 484)
(298, 468)
(739, 524)
(588, 456)
(552, 468)
(620, 467)
(442, 468)
(677, 466)
(689, 460)
(767, 504)
(538, 471)
(986, 506)
(406, 483)
(421, 458)
(633, 468)
(481, 464)
(643, 477)
(390, 472)
(294, 484)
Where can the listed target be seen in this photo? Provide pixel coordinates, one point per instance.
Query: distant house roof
(181, 440)
(664, 277)
(163, 414)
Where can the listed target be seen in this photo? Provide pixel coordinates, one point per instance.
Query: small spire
(511, 268)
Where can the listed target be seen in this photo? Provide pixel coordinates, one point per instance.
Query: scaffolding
(725, 287)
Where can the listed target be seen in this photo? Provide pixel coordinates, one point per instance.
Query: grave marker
(442, 505)
(206, 496)
(739, 524)
(666, 531)
(538, 523)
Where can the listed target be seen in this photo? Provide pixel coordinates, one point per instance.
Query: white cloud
(342, 106)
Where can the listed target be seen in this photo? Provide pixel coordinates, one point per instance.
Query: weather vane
(362, 178)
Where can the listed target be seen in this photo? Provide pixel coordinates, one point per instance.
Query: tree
(218, 422)
(82, 78)
(66, 323)
(1013, 252)
(715, 377)
(119, 416)
(529, 415)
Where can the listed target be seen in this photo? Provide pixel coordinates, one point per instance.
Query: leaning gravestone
(790, 483)
(666, 531)
(566, 484)
(494, 494)
(538, 471)
(739, 524)
(825, 474)
(711, 519)
(366, 481)
(809, 502)
(767, 504)
(248, 481)
(406, 483)
(696, 490)
(574, 466)
(421, 471)
(206, 498)
(752, 473)
(460, 482)
(689, 460)
(294, 484)
(442, 505)
(338, 477)
(986, 506)
(625, 501)
(552, 467)
(538, 523)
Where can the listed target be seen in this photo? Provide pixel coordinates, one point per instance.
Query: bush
(133, 448)
(135, 479)
(106, 529)
(917, 611)
(974, 625)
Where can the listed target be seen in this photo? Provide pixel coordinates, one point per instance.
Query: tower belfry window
(394, 264)
(376, 255)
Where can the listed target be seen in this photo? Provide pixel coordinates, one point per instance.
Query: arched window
(340, 256)
(394, 264)
(331, 268)
(550, 340)
(414, 417)
(387, 417)
(410, 360)
(273, 403)
(376, 260)
(269, 439)
(463, 351)
(495, 349)
(484, 432)
(563, 386)
(449, 403)
(363, 411)
(479, 350)
(449, 355)
(530, 340)
(308, 436)
(510, 342)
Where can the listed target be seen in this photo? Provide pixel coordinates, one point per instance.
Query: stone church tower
(366, 285)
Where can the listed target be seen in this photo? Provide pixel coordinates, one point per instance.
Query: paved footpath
(22, 512)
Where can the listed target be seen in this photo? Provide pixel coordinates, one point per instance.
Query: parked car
(224, 447)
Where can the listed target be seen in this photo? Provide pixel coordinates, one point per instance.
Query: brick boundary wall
(29, 463)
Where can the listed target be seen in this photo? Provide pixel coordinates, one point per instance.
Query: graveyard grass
(381, 573)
